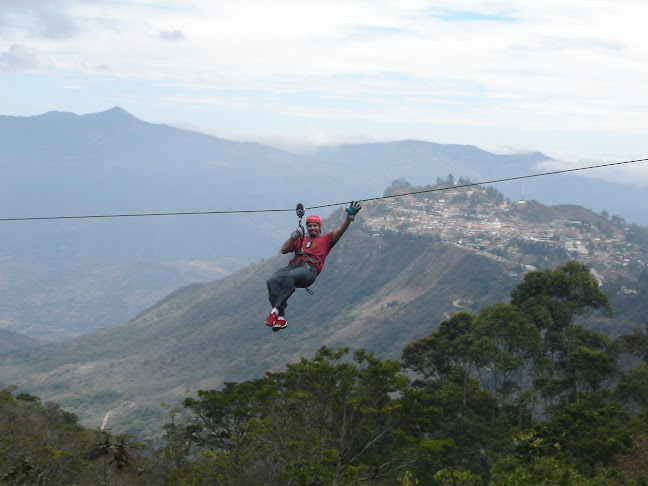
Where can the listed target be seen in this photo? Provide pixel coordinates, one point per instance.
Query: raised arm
(351, 211)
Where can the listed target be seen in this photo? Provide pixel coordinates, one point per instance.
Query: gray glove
(298, 233)
(353, 209)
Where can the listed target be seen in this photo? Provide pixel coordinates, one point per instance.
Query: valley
(406, 264)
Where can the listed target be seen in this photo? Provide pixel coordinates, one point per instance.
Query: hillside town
(521, 231)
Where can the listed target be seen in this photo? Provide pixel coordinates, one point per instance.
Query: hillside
(62, 278)
(391, 279)
(11, 341)
(376, 293)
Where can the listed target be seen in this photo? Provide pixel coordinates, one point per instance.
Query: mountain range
(64, 277)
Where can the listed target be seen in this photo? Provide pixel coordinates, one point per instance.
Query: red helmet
(313, 218)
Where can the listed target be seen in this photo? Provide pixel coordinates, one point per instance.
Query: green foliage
(632, 388)
(632, 469)
(444, 350)
(407, 480)
(507, 341)
(590, 367)
(41, 444)
(519, 393)
(452, 477)
(573, 357)
(322, 421)
(587, 433)
(549, 471)
(556, 297)
(634, 345)
(534, 348)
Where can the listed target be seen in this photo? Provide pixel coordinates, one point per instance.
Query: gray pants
(284, 281)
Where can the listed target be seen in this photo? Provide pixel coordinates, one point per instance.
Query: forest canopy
(519, 393)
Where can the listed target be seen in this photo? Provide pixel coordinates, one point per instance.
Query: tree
(42, 444)
(587, 434)
(557, 301)
(548, 471)
(632, 468)
(632, 347)
(178, 439)
(633, 387)
(468, 421)
(589, 367)
(221, 416)
(507, 343)
(437, 355)
(322, 421)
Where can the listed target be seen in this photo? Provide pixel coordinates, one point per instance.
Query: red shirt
(318, 248)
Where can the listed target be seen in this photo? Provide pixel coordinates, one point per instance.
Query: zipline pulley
(300, 211)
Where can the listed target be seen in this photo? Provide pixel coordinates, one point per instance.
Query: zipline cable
(472, 184)
(242, 211)
(88, 216)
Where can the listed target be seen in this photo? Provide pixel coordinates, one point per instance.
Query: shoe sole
(279, 328)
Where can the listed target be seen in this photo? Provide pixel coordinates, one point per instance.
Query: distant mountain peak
(114, 113)
(117, 111)
(56, 114)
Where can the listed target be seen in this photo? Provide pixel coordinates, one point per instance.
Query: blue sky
(568, 79)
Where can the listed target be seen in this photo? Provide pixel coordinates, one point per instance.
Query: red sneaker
(272, 318)
(279, 324)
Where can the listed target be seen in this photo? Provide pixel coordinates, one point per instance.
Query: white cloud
(37, 18)
(487, 66)
(19, 59)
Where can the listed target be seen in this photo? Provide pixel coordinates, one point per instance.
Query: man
(306, 265)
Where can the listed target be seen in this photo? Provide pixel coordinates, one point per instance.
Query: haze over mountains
(61, 278)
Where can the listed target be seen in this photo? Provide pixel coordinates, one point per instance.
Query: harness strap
(310, 259)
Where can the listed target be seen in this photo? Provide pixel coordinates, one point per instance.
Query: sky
(566, 78)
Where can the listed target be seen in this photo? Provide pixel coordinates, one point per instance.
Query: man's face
(313, 229)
